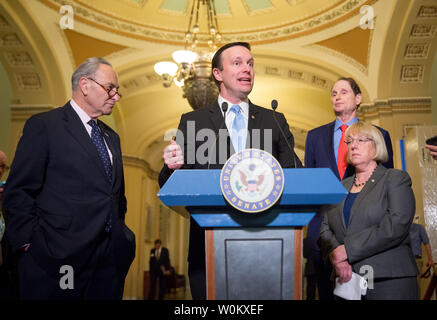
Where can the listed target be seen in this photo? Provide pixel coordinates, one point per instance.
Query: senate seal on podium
(252, 180)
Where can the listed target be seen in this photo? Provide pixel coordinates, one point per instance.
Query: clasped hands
(343, 269)
(172, 155)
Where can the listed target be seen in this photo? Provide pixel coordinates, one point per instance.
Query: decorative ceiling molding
(10, 40)
(20, 112)
(417, 50)
(17, 60)
(423, 30)
(427, 12)
(396, 105)
(256, 11)
(414, 73)
(131, 85)
(261, 35)
(135, 3)
(28, 80)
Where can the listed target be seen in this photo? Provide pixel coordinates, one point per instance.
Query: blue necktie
(238, 129)
(97, 138)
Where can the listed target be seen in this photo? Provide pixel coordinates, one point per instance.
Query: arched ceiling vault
(301, 47)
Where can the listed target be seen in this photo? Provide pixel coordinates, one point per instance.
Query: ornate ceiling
(255, 21)
(300, 46)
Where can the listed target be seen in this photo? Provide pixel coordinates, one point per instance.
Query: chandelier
(192, 70)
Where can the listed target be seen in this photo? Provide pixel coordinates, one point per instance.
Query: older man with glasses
(65, 198)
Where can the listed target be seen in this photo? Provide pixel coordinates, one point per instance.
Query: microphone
(274, 106)
(224, 108)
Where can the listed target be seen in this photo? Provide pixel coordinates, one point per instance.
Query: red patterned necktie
(342, 151)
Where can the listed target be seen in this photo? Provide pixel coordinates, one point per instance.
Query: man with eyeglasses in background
(325, 148)
(65, 199)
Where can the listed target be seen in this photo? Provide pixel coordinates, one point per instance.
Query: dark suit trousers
(153, 284)
(404, 288)
(99, 280)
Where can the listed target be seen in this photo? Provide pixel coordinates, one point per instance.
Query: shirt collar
(338, 123)
(243, 105)
(84, 117)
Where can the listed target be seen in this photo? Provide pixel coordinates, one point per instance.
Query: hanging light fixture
(192, 70)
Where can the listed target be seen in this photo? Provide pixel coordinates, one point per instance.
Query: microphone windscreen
(274, 104)
(225, 106)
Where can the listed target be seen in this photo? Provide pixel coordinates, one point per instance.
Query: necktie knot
(236, 109)
(93, 124)
(343, 127)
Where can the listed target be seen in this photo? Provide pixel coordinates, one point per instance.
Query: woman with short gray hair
(370, 227)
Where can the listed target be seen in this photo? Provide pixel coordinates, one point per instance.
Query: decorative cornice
(133, 84)
(396, 105)
(21, 112)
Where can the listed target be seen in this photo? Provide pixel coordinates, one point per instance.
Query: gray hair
(87, 69)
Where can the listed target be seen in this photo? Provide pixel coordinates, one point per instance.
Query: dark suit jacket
(155, 264)
(319, 150)
(59, 197)
(379, 225)
(212, 118)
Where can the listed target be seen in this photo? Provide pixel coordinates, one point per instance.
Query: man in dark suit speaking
(244, 125)
(65, 198)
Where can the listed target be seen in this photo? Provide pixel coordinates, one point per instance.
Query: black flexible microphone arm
(274, 106)
(224, 108)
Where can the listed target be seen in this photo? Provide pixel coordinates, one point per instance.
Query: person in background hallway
(371, 226)
(159, 266)
(432, 150)
(418, 236)
(325, 148)
(65, 199)
(233, 71)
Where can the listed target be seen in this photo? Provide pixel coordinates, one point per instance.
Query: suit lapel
(368, 187)
(75, 127)
(347, 184)
(253, 122)
(216, 117)
(329, 138)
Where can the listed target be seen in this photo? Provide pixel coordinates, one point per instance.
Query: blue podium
(252, 256)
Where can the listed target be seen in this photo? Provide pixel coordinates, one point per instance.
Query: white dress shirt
(84, 117)
(230, 116)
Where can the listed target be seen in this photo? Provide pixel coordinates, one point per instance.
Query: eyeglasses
(359, 141)
(111, 91)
